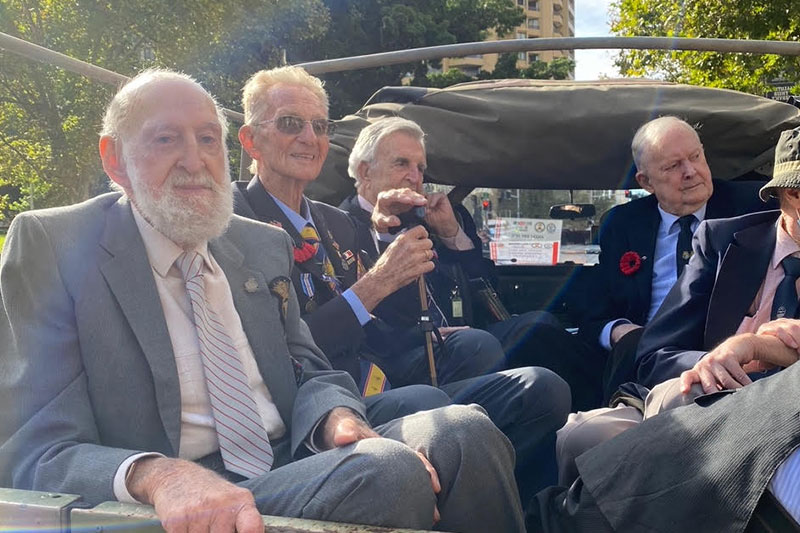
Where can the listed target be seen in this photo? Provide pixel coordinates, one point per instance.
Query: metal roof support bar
(556, 43)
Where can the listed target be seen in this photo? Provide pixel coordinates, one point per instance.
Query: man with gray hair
(154, 353)
(724, 462)
(388, 163)
(645, 244)
(286, 132)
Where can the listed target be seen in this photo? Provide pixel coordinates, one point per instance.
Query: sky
(592, 20)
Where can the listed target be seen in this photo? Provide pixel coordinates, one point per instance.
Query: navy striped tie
(243, 441)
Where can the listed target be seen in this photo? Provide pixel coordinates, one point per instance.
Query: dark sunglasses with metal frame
(292, 125)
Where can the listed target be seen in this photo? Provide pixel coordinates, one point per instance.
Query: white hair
(371, 136)
(255, 94)
(646, 136)
(116, 121)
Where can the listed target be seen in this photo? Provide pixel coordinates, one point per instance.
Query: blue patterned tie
(243, 441)
(683, 251)
(784, 305)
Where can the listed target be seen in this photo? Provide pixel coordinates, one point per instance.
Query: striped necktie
(310, 235)
(243, 441)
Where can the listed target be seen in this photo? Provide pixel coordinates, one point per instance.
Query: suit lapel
(643, 237)
(251, 296)
(130, 278)
(739, 277)
(268, 211)
(332, 248)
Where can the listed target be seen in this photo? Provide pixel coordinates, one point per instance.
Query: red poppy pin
(630, 263)
(304, 253)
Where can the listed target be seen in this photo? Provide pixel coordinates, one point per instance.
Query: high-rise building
(543, 18)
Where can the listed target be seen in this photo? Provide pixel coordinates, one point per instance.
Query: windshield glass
(516, 226)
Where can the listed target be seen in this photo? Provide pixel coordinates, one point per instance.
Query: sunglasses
(292, 125)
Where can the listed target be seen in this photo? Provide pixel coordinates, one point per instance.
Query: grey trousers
(584, 430)
(383, 482)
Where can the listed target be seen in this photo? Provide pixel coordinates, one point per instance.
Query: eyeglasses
(292, 125)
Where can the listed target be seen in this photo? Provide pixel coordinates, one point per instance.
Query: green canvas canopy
(536, 134)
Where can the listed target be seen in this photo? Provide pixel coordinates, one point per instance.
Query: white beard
(187, 222)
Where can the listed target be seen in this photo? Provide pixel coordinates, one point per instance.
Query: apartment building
(543, 18)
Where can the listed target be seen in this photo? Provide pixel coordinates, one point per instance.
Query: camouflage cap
(786, 174)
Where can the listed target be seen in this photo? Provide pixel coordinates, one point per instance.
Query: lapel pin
(251, 285)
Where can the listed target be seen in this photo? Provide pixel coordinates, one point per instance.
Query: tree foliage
(49, 118)
(733, 19)
(506, 68)
(370, 26)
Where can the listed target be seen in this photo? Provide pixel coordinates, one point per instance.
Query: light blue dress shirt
(664, 270)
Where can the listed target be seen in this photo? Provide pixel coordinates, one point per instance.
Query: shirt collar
(784, 244)
(161, 251)
(298, 220)
(365, 205)
(668, 219)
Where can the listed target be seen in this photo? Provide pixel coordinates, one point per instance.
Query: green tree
(370, 26)
(735, 19)
(49, 118)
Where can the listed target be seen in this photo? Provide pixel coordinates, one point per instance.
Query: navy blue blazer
(712, 296)
(633, 227)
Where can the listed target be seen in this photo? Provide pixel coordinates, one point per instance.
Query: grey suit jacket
(87, 372)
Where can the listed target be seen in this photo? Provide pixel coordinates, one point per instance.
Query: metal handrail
(556, 43)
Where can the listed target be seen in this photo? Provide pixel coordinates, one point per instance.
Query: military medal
(251, 285)
(311, 306)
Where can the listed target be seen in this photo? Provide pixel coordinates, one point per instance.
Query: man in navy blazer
(339, 298)
(732, 316)
(387, 162)
(105, 380)
(671, 165)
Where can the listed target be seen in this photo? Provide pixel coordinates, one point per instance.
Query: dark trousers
(537, 338)
(560, 510)
(528, 405)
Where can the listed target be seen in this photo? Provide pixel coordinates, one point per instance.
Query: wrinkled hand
(721, 368)
(621, 330)
(435, 483)
(188, 497)
(343, 427)
(406, 259)
(444, 331)
(786, 329)
(440, 216)
(391, 203)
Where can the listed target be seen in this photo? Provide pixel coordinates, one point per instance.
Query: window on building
(521, 56)
(532, 57)
(533, 5)
(533, 24)
(521, 3)
(522, 35)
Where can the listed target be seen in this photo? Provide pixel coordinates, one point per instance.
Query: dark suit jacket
(702, 467)
(330, 318)
(633, 227)
(453, 271)
(88, 375)
(708, 302)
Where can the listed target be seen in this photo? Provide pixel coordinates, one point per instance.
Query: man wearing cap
(732, 318)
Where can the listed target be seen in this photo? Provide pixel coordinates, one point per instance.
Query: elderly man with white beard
(153, 353)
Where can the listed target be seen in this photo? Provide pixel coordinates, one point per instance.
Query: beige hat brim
(785, 176)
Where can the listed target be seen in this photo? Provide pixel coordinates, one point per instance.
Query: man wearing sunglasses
(285, 133)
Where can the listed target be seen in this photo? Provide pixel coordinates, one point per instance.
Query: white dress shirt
(198, 436)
